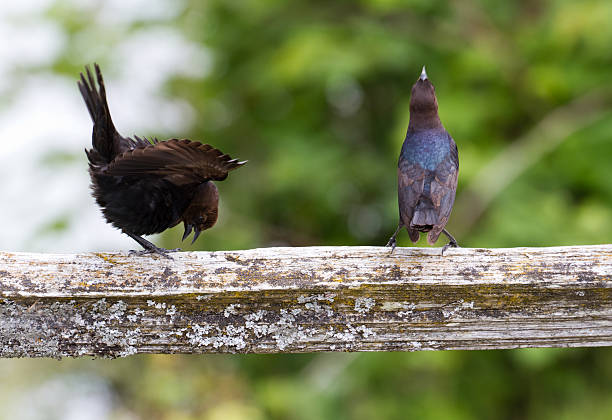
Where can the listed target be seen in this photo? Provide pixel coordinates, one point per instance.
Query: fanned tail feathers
(105, 139)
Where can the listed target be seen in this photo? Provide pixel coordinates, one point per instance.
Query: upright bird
(427, 170)
(147, 186)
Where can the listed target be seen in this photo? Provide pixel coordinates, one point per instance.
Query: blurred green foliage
(315, 95)
(504, 384)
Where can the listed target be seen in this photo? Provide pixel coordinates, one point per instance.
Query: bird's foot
(451, 244)
(149, 247)
(155, 250)
(452, 241)
(392, 243)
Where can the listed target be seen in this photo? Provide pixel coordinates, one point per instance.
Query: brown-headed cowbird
(427, 170)
(145, 187)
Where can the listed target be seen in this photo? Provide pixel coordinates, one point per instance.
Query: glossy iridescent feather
(427, 169)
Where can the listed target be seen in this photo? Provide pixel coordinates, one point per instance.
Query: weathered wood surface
(278, 300)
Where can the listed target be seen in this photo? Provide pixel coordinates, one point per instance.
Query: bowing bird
(427, 170)
(147, 186)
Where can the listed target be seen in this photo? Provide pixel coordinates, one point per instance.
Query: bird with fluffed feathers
(147, 186)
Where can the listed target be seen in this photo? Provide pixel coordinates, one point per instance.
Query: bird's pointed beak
(188, 229)
(423, 74)
(196, 233)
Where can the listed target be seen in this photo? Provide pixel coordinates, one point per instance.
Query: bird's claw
(392, 243)
(392, 240)
(155, 250)
(451, 244)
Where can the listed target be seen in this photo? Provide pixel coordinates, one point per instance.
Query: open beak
(196, 233)
(187, 231)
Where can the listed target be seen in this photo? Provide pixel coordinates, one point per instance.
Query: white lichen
(285, 331)
(318, 297)
(364, 304)
(117, 310)
(252, 322)
(468, 305)
(231, 337)
(460, 306)
(311, 303)
(156, 305)
(231, 310)
(409, 309)
(365, 331)
(350, 334)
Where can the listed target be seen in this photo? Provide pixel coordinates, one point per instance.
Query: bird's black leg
(149, 247)
(392, 242)
(452, 241)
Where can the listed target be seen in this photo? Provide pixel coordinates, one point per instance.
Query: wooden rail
(280, 300)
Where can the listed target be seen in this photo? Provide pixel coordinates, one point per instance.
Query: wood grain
(281, 300)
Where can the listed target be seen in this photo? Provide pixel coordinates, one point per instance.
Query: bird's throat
(424, 120)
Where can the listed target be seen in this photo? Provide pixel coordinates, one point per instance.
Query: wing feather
(180, 161)
(411, 181)
(443, 189)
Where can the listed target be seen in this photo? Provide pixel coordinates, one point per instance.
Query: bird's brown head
(202, 211)
(423, 104)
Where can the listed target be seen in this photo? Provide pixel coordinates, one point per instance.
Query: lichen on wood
(275, 300)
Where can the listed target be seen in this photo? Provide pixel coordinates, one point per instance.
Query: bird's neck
(424, 120)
